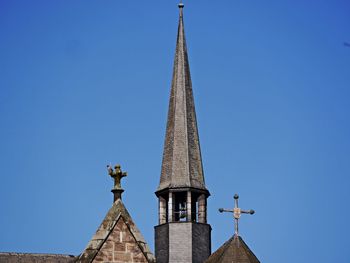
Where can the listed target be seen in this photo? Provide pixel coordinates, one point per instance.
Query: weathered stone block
(120, 247)
(104, 256)
(108, 245)
(122, 256)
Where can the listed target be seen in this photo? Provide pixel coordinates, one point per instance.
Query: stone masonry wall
(120, 247)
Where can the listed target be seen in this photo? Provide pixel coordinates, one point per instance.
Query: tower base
(185, 242)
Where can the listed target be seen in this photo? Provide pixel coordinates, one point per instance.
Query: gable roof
(116, 213)
(235, 250)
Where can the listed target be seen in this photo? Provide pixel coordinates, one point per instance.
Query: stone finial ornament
(117, 174)
(237, 213)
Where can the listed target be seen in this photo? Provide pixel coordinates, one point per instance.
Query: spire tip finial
(117, 174)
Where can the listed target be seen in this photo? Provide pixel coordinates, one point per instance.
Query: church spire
(182, 233)
(182, 162)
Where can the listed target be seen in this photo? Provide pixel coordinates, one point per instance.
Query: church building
(183, 234)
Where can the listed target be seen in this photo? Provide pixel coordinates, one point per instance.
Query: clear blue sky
(86, 83)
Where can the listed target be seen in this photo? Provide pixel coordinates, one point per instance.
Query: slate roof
(117, 211)
(182, 161)
(235, 250)
(35, 258)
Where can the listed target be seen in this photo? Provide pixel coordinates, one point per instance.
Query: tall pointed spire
(182, 162)
(182, 233)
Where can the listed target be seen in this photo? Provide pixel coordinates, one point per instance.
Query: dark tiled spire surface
(182, 162)
(235, 250)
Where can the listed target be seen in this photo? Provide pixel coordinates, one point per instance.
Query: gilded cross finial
(236, 212)
(117, 174)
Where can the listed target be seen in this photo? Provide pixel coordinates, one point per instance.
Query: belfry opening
(182, 206)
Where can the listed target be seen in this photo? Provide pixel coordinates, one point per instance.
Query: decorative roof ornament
(237, 213)
(181, 5)
(117, 174)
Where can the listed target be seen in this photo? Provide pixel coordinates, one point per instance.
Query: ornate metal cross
(236, 212)
(117, 174)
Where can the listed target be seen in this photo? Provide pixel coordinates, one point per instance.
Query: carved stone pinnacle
(117, 174)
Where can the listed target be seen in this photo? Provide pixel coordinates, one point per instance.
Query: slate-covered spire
(182, 162)
(182, 233)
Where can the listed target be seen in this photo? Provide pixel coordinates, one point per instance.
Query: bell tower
(182, 234)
